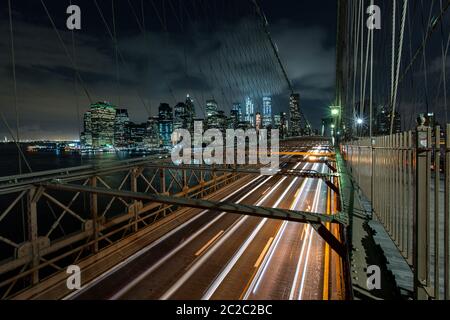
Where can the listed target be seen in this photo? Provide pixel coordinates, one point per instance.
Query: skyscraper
(237, 110)
(86, 135)
(280, 123)
(138, 132)
(211, 108)
(250, 112)
(180, 116)
(103, 117)
(152, 139)
(258, 121)
(382, 125)
(277, 121)
(267, 112)
(165, 123)
(180, 120)
(397, 128)
(382, 121)
(212, 112)
(121, 134)
(294, 111)
(234, 119)
(190, 113)
(221, 121)
(284, 125)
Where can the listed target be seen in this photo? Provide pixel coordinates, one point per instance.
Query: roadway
(218, 255)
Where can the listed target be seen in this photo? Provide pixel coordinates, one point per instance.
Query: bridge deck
(203, 252)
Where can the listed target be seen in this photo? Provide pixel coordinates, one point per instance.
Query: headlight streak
(135, 281)
(217, 244)
(242, 249)
(309, 233)
(267, 260)
(273, 249)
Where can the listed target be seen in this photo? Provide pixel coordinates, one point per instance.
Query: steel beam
(315, 219)
(20, 182)
(291, 172)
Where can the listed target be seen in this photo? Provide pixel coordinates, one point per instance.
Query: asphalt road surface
(218, 255)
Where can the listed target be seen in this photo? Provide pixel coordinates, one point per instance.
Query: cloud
(309, 62)
(227, 63)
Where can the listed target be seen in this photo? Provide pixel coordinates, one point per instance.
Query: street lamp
(335, 111)
(336, 115)
(359, 124)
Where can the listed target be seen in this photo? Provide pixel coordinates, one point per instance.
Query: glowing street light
(335, 111)
(336, 119)
(359, 121)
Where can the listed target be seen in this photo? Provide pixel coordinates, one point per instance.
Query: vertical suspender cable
(442, 78)
(355, 58)
(412, 113)
(13, 57)
(424, 55)
(361, 83)
(15, 137)
(363, 104)
(431, 29)
(147, 105)
(274, 47)
(116, 51)
(394, 5)
(399, 57)
(65, 50)
(120, 55)
(371, 83)
(75, 83)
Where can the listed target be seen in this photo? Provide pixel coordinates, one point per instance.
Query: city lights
(335, 110)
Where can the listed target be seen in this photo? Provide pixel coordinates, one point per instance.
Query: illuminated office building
(250, 112)
(165, 124)
(267, 112)
(102, 120)
(121, 134)
(295, 118)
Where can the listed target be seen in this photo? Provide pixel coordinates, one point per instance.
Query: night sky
(204, 48)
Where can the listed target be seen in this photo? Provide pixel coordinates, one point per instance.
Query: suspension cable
(431, 30)
(66, 51)
(16, 107)
(111, 35)
(75, 83)
(399, 57)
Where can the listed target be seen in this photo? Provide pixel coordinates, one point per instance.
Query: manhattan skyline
(158, 66)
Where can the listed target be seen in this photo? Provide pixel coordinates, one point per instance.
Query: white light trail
(190, 239)
(242, 249)
(309, 233)
(216, 245)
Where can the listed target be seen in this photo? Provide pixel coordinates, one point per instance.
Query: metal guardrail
(52, 219)
(43, 230)
(401, 175)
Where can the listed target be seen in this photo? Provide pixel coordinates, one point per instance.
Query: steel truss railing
(66, 215)
(401, 176)
(42, 230)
